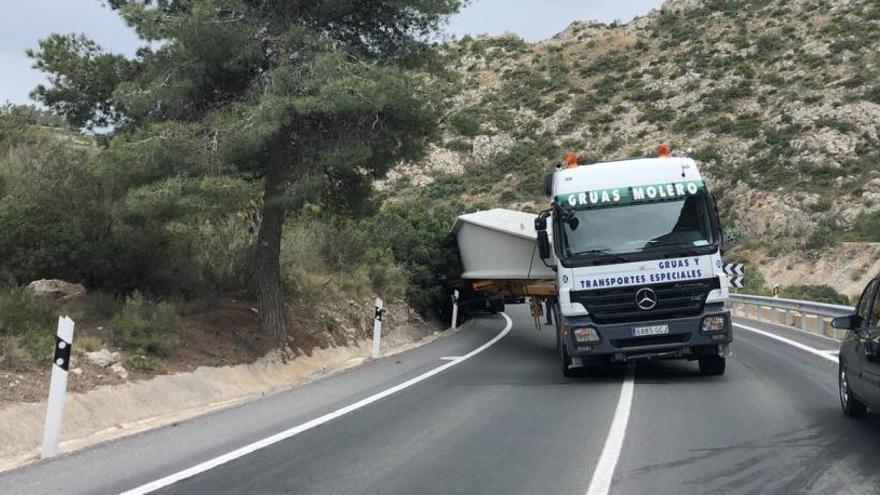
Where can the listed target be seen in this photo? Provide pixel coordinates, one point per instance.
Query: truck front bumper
(617, 343)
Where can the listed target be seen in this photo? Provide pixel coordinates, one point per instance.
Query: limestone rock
(56, 289)
(120, 371)
(103, 358)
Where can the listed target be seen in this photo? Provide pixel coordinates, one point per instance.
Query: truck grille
(674, 300)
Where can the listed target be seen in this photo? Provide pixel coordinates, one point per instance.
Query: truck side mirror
(540, 224)
(548, 185)
(543, 244)
(722, 241)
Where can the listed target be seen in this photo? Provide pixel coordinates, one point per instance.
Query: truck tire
(852, 407)
(558, 331)
(496, 305)
(712, 365)
(566, 371)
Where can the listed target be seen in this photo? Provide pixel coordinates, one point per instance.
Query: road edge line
(803, 347)
(604, 472)
(286, 434)
(796, 330)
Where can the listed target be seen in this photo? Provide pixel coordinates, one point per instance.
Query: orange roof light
(663, 150)
(571, 160)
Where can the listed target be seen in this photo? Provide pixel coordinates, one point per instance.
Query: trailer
(500, 260)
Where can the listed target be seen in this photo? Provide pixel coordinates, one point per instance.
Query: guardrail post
(820, 325)
(788, 318)
(804, 322)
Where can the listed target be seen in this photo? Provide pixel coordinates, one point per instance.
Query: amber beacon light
(663, 150)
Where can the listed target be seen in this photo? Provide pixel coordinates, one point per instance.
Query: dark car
(859, 373)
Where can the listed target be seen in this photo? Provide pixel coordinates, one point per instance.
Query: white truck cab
(637, 254)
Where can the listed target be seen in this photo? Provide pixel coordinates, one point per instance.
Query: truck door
(871, 353)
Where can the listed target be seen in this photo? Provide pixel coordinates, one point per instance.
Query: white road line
(812, 350)
(604, 472)
(777, 325)
(450, 358)
(284, 435)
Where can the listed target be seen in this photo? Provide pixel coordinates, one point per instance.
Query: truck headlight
(585, 335)
(714, 324)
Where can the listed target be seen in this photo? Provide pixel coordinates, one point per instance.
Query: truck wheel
(558, 332)
(712, 365)
(496, 305)
(566, 371)
(851, 406)
(499, 305)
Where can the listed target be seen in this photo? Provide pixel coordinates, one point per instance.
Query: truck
(626, 263)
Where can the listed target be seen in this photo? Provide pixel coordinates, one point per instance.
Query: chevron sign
(735, 274)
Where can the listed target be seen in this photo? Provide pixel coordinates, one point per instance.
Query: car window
(866, 303)
(875, 311)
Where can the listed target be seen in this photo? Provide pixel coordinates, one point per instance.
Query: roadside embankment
(113, 411)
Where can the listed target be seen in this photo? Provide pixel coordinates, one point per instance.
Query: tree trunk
(268, 263)
(272, 320)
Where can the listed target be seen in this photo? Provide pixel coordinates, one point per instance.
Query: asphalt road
(505, 421)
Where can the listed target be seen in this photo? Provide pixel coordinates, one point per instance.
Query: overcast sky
(27, 22)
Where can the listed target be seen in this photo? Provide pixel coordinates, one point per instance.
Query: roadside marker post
(377, 329)
(57, 386)
(454, 309)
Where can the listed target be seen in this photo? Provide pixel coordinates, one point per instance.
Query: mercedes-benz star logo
(646, 299)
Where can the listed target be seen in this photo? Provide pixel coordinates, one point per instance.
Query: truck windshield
(637, 228)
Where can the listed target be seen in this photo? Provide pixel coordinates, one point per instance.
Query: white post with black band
(377, 329)
(454, 309)
(57, 386)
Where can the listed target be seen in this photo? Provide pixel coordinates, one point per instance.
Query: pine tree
(313, 98)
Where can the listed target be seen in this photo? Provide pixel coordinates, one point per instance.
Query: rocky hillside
(780, 100)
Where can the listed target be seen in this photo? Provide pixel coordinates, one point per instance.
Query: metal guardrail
(811, 317)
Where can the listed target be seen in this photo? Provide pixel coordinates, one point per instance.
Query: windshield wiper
(602, 252)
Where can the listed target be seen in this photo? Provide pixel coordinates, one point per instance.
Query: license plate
(652, 330)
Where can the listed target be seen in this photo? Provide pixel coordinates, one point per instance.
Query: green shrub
(143, 362)
(816, 293)
(417, 235)
(39, 342)
(654, 114)
(866, 228)
(145, 327)
(27, 319)
(467, 123)
(872, 94)
(21, 311)
(460, 145)
(753, 281)
(820, 238)
(843, 126)
(102, 305)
